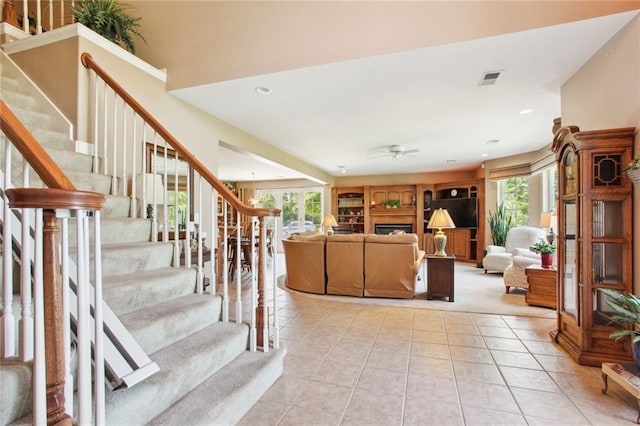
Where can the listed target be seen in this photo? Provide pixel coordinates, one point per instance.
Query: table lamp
(154, 191)
(545, 222)
(328, 222)
(440, 220)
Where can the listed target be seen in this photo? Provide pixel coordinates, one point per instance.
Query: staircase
(207, 375)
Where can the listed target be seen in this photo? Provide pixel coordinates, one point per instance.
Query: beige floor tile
(337, 372)
(303, 416)
(489, 320)
(466, 340)
(462, 353)
(583, 385)
(477, 372)
(376, 407)
(263, 413)
(429, 336)
(324, 397)
(506, 333)
(382, 380)
(462, 328)
(457, 317)
(530, 379)
(530, 323)
(547, 405)
(478, 416)
(299, 366)
(539, 335)
(313, 349)
(432, 350)
(515, 359)
(544, 348)
(284, 390)
(485, 395)
(435, 325)
(434, 412)
(500, 343)
(606, 409)
(398, 361)
(349, 351)
(430, 366)
(561, 364)
(394, 348)
(421, 387)
(392, 335)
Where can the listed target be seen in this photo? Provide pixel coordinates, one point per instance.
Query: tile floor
(354, 364)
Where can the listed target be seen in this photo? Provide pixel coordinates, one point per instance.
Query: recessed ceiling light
(451, 161)
(526, 111)
(484, 155)
(263, 90)
(492, 141)
(342, 169)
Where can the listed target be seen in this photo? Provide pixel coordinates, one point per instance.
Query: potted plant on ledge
(633, 170)
(546, 251)
(625, 307)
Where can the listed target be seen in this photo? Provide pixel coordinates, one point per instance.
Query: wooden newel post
(53, 337)
(261, 265)
(9, 13)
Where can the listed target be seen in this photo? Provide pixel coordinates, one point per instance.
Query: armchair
(514, 274)
(519, 240)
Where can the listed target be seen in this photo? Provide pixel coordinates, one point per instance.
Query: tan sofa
(345, 260)
(391, 264)
(305, 263)
(354, 265)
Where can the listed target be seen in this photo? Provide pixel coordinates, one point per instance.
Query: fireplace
(387, 228)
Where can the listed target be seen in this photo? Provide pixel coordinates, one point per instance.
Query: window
(549, 189)
(514, 192)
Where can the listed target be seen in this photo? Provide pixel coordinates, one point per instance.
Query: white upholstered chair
(519, 239)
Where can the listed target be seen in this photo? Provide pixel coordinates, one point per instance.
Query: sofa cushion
(345, 264)
(391, 239)
(313, 237)
(350, 238)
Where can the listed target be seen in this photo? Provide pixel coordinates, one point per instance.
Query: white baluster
(253, 336)
(105, 157)
(123, 173)
(38, 17)
(225, 269)
(25, 12)
(114, 148)
(26, 319)
(199, 229)
(96, 142)
(66, 317)
(276, 325)
(8, 325)
(39, 358)
(84, 324)
(61, 13)
(238, 269)
(213, 243)
(98, 321)
(143, 170)
(50, 15)
(134, 171)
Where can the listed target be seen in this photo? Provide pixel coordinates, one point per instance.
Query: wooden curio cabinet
(594, 239)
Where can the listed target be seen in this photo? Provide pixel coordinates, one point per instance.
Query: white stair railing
(185, 202)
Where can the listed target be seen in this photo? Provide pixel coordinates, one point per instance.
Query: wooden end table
(440, 276)
(543, 286)
(626, 375)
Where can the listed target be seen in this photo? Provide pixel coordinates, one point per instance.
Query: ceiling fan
(395, 151)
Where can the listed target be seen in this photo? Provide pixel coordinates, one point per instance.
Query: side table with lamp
(440, 266)
(328, 223)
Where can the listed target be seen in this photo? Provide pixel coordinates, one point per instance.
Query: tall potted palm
(110, 19)
(500, 223)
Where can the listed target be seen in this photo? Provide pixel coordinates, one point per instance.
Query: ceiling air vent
(489, 78)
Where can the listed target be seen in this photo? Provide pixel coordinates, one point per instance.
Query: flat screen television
(463, 211)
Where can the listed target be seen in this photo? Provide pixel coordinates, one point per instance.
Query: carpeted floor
(475, 292)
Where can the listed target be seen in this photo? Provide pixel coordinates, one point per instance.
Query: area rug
(475, 292)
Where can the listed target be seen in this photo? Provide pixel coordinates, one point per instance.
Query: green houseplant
(546, 250)
(633, 170)
(625, 308)
(110, 19)
(500, 223)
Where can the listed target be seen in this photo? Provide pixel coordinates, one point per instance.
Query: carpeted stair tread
(90, 181)
(160, 325)
(32, 118)
(16, 99)
(53, 139)
(15, 390)
(183, 366)
(120, 259)
(116, 206)
(119, 230)
(9, 83)
(127, 293)
(226, 396)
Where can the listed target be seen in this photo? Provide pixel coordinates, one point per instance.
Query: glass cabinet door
(570, 267)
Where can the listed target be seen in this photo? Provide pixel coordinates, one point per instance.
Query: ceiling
(345, 115)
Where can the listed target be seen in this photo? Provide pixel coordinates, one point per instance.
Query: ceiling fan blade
(411, 151)
(378, 156)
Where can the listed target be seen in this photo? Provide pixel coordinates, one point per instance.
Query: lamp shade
(545, 219)
(152, 182)
(440, 219)
(329, 220)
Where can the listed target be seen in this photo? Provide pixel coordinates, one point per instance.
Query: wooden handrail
(89, 63)
(32, 151)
